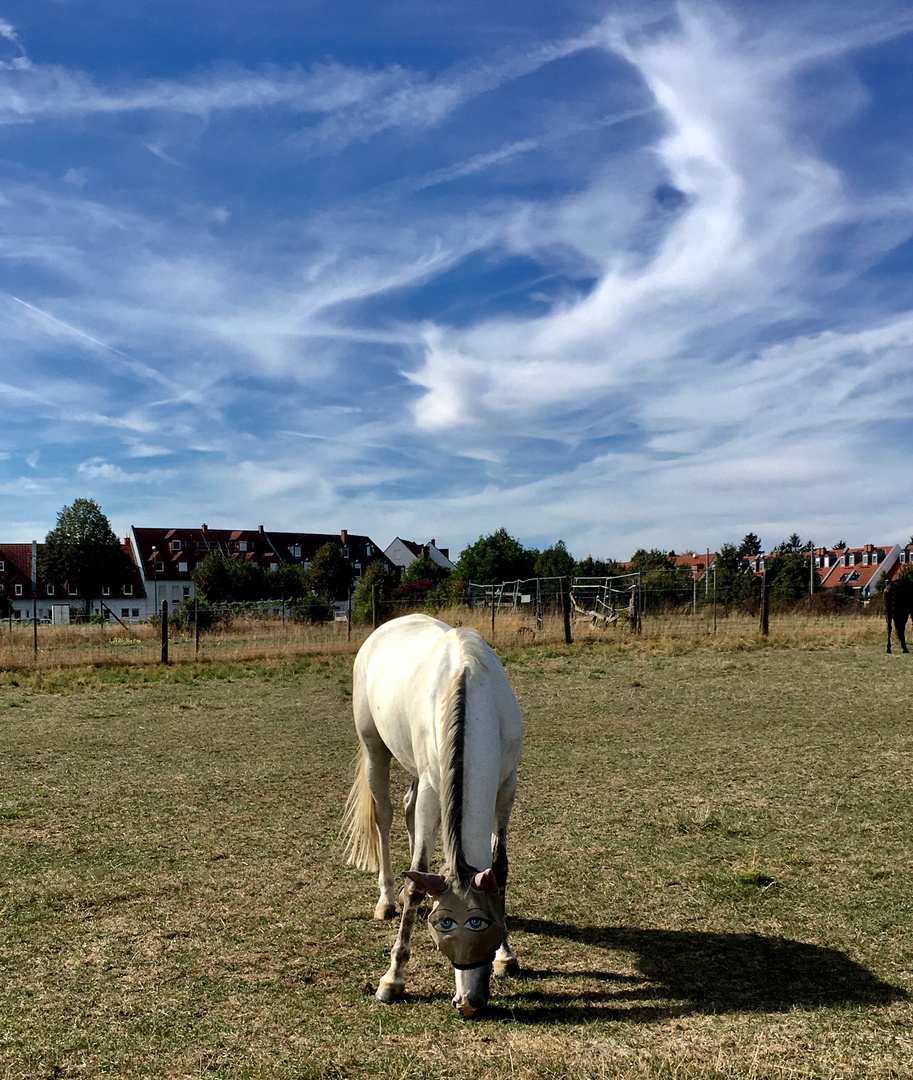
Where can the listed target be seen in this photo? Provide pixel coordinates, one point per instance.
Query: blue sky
(625, 274)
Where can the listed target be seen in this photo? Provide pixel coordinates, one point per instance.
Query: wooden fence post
(164, 631)
(765, 606)
(566, 610)
(196, 626)
(374, 606)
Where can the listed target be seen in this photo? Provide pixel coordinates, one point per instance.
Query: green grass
(710, 862)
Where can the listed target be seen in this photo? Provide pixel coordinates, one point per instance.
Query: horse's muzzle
(468, 1007)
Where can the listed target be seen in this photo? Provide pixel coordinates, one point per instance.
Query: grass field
(711, 861)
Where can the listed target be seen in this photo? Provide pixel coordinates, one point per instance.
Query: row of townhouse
(162, 562)
(856, 569)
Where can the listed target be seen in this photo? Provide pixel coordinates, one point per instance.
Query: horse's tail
(359, 821)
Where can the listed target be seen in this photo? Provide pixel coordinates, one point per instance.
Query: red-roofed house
(860, 569)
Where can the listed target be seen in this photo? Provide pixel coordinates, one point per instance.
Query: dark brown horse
(898, 607)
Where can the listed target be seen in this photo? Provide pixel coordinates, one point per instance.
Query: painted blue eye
(475, 923)
(446, 924)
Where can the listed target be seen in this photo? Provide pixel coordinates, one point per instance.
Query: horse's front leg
(427, 819)
(506, 962)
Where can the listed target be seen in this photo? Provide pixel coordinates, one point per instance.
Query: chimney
(260, 529)
(204, 528)
(344, 536)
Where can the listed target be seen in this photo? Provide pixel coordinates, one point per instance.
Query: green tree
(590, 567)
(287, 582)
(83, 551)
(735, 584)
(422, 570)
(330, 575)
(555, 561)
(663, 581)
(377, 582)
(788, 577)
(495, 558)
(221, 581)
(421, 579)
(750, 545)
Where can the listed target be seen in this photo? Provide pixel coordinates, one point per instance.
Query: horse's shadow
(683, 972)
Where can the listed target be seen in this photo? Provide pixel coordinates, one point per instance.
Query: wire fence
(619, 608)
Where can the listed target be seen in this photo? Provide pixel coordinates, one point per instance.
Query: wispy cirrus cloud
(638, 278)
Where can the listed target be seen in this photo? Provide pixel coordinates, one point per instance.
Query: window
(2, 566)
(18, 590)
(128, 590)
(135, 613)
(242, 545)
(50, 590)
(175, 545)
(106, 590)
(295, 550)
(125, 613)
(182, 568)
(159, 567)
(186, 591)
(72, 590)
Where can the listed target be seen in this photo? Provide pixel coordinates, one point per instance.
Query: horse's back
(403, 672)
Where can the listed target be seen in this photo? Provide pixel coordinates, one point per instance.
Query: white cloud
(97, 469)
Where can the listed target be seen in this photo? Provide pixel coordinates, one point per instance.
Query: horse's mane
(472, 657)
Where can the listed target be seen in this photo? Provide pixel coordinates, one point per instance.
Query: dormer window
(50, 590)
(106, 590)
(175, 545)
(159, 567)
(18, 590)
(295, 551)
(242, 545)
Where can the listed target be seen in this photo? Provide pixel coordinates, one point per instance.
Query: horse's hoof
(385, 911)
(389, 993)
(507, 968)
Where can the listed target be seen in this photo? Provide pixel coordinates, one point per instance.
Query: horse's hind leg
(900, 628)
(506, 962)
(409, 807)
(378, 777)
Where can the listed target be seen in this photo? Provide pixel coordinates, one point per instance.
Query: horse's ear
(485, 881)
(428, 883)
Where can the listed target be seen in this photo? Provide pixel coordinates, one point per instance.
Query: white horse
(438, 700)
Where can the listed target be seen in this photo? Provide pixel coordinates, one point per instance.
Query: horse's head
(467, 925)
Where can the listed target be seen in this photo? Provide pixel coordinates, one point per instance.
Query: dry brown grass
(710, 873)
(274, 640)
